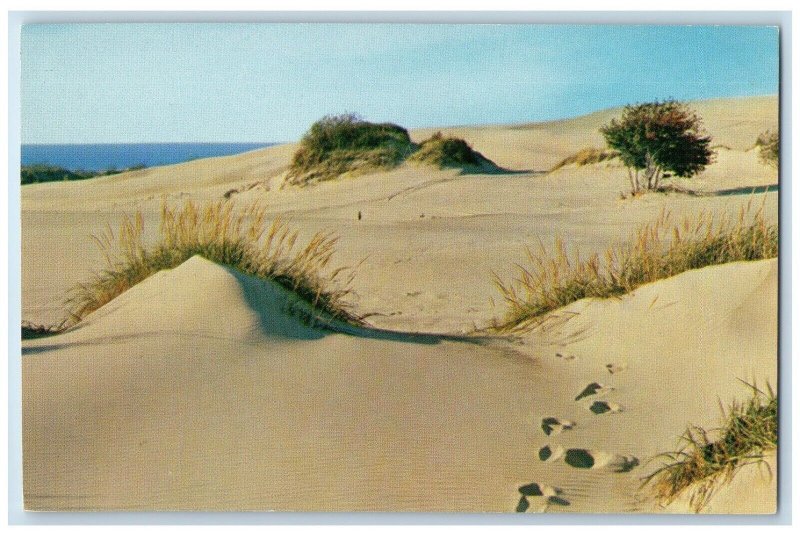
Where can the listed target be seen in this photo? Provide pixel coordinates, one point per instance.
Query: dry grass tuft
(658, 250)
(220, 232)
(703, 464)
(587, 156)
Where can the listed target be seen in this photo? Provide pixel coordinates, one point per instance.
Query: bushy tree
(655, 139)
(768, 144)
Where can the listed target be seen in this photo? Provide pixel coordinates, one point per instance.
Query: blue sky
(95, 83)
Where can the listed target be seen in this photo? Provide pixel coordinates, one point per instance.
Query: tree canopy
(657, 139)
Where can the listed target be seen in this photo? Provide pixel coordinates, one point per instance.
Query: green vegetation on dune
(37, 173)
(341, 144)
(449, 152)
(349, 145)
(768, 145)
(221, 233)
(709, 458)
(659, 139)
(656, 251)
(32, 330)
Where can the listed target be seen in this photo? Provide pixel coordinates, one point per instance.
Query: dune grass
(243, 239)
(449, 152)
(703, 464)
(589, 155)
(31, 330)
(346, 143)
(656, 251)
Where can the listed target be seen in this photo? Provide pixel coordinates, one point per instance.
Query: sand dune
(734, 123)
(219, 400)
(196, 389)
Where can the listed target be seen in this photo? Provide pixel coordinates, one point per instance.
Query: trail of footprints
(547, 496)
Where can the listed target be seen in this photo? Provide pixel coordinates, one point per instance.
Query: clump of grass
(31, 330)
(242, 239)
(346, 143)
(449, 152)
(768, 145)
(703, 464)
(656, 251)
(584, 157)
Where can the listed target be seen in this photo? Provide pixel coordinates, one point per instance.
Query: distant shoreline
(114, 156)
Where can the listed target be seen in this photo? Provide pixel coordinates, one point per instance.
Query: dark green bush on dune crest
(341, 144)
(768, 145)
(347, 144)
(448, 152)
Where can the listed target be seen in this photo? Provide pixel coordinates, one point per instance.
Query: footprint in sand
(565, 357)
(541, 495)
(594, 388)
(588, 459)
(601, 406)
(523, 504)
(595, 459)
(616, 368)
(551, 454)
(554, 426)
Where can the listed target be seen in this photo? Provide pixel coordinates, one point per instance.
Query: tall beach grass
(708, 459)
(242, 238)
(656, 251)
(584, 157)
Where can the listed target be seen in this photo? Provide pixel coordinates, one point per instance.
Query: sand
(194, 391)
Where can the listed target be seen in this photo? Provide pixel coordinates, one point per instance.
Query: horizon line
(425, 127)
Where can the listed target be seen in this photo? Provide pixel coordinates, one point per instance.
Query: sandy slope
(168, 398)
(174, 397)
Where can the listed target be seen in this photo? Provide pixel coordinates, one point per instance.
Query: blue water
(104, 156)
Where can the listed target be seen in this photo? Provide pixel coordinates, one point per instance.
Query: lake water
(103, 156)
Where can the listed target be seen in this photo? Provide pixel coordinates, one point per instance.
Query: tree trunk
(657, 180)
(632, 181)
(651, 172)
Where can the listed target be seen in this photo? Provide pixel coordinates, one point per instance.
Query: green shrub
(31, 330)
(449, 152)
(768, 144)
(658, 138)
(37, 173)
(341, 144)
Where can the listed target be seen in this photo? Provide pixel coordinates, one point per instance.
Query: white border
(9, 271)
